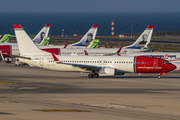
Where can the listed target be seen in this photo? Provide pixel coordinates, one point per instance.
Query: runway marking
(60, 110)
(8, 83)
(98, 109)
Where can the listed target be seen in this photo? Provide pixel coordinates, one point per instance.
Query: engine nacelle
(107, 72)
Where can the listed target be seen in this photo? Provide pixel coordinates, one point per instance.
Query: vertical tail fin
(42, 34)
(144, 38)
(25, 44)
(88, 37)
(5, 38)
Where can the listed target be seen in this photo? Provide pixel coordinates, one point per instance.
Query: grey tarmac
(28, 93)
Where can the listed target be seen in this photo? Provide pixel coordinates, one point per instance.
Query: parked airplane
(96, 65)
(5, 38)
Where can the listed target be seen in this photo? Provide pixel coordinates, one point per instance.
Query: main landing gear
(95, 75)
(159, 76)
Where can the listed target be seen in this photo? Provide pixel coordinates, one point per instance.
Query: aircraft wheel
(159, 76)
(96, 75)
(90, 75)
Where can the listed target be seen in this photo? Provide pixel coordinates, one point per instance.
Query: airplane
(10, 50)
(95, 65)
(172, 57)
(5, 38)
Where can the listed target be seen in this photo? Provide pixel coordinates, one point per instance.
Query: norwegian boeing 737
(95, 65)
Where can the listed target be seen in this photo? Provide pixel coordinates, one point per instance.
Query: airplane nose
(172, 67)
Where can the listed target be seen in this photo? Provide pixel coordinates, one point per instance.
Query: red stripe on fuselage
(52, 50)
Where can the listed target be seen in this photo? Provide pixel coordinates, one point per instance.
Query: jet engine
(107, 72)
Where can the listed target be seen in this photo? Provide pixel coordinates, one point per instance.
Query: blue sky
(89, 5)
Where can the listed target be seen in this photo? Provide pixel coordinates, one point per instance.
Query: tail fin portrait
(144, 39)
(88, 37)
(42, 34)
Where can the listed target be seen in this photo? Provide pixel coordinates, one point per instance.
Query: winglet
(65, 46)
(17, 26)
(119, 51)
(55, 58)
(85, 52)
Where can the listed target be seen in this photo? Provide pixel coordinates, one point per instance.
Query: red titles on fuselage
(152, 65)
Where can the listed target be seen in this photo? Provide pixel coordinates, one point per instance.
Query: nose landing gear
(159, 75)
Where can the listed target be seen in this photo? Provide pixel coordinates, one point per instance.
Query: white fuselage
(80, 51)
(47, 62)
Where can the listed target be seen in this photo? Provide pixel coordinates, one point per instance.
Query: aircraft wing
(20, 57)
(86, 67)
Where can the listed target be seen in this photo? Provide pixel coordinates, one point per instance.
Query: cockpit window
(165, 62)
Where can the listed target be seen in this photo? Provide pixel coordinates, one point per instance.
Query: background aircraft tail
(42, 34)
(25, 44)
(88, 37)
(144, 39)
(5, 38)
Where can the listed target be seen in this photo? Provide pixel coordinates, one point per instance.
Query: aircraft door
(100, 62)
(155, 63)
(41, 61)
(104, 62)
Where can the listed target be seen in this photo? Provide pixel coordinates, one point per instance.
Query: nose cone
(171, 67)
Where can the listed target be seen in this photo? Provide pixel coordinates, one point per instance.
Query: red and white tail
(42, 34)
(25, 44)
(88, 37)
(144, 39)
